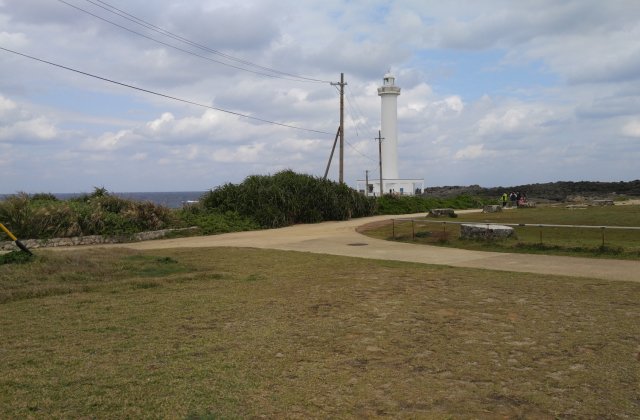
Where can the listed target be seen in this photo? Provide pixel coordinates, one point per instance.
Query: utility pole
(366, 183)
(341, 83)
(333, 149)
(380, 138)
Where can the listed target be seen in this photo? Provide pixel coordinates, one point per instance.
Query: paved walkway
(341, 238)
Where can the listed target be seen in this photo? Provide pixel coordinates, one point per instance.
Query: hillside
(551, 191)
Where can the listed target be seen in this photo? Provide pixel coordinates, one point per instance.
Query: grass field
(237, 333)
(610, 243)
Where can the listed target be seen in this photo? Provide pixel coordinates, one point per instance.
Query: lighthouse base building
(392, 183)
(391, 186)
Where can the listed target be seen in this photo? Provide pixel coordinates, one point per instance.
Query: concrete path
(341, 238)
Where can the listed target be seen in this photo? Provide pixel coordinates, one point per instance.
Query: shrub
(15, 257)
(288, 198)
(97, 214)
(211, 222)
(403, 204)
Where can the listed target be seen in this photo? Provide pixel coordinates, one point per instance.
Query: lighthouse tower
(391, 181)
(389, 93)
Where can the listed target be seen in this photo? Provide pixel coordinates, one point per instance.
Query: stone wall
(90, 239)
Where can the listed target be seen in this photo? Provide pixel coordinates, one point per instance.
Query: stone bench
(484, 231)
(494, 208)
(441, 212)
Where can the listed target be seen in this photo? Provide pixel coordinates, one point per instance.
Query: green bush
(211, 222)
(97, 214)
(405, 204)
(287, 198)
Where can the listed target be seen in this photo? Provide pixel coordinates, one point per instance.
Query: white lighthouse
(391, 181)
(389, 93)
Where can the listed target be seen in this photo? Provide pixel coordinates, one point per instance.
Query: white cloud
(474, 151)
(109, 142)
(632, 129)
(13, 40)
(18, 125)
(6, 105)
(533, 80)
(242, 154)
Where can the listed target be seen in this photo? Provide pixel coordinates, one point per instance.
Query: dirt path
(341, 238)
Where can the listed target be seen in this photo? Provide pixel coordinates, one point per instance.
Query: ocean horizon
(171, 199)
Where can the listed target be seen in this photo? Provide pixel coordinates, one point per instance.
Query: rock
(492, 209)
(602, 202)
(441, 212)
(484, 231)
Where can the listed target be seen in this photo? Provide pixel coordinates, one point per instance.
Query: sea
(171, 199)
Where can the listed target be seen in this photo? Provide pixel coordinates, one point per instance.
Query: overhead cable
(173, 46)
(164, 95)
(278, 75)
(357, 135)
(112, 9)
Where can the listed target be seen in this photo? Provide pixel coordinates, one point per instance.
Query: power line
(359, 152)
(184, 40)
(173, 46)
(355, 103)
(164, 95)
(349, 144)
(112, 9)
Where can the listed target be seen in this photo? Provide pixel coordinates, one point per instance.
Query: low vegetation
(551, 191)
(100, 213)
(246, 333)
(394, 204)
(288, 198)
(588, 242)
(278, 200)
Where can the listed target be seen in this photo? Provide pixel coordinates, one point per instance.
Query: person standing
(504, 197)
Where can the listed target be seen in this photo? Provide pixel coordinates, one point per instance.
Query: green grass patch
(585, 242)
(317, 337)
(71, 271)
(15, 257)
(396, 204)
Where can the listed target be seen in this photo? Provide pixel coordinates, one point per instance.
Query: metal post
(380, 138)
(393, 222)
(341, 128)
(413, 231)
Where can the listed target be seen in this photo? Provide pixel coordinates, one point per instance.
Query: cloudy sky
(493, 92)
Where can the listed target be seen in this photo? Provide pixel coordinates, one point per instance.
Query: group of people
(513, 199)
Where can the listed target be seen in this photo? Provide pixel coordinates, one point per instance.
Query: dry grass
(230, 333)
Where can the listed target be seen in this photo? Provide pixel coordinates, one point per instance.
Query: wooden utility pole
(333, 149)
(366, 183)
(341, 83)
(380, 138)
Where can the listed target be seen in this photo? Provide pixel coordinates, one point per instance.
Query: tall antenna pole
(380, 138)
(341, 84)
